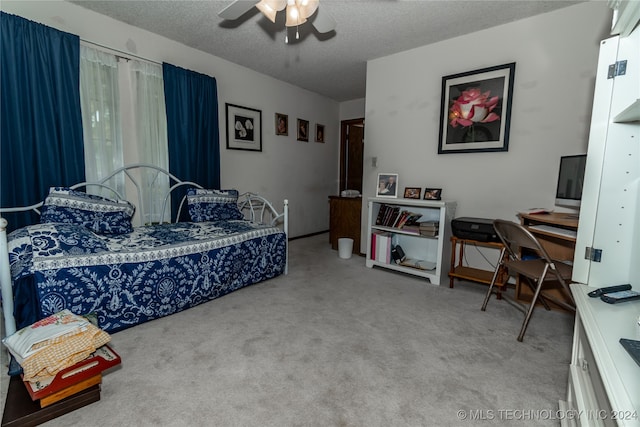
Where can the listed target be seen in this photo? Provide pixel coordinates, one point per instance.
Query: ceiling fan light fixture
(294, 17)
(270, 8)
(308, 7)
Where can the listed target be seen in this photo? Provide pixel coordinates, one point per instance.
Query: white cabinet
(608, 241)
(603, 386)
(433, 250)
(603, 379)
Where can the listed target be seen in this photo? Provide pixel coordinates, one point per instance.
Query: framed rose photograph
(387, 185)
(432, 193)
(475, 110)
(303, 130)
(412, 192)
(282, 124)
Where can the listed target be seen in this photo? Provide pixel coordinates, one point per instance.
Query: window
(100, 104)
(123, 100)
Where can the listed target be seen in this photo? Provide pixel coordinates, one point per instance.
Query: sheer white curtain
(109, 88)
(100, 104)
(147, 90)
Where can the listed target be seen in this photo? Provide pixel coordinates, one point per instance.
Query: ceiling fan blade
(323, 22)
(236, 9)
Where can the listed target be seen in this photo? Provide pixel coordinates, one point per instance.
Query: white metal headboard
(131, 181)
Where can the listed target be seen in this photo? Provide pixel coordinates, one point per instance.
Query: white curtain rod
(119, 53)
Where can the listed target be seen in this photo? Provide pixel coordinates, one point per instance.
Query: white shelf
(629, 114)
(434, 249)
(401, 231)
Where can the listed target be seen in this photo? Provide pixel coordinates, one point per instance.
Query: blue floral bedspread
(132, 278)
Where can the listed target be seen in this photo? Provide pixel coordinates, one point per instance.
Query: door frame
(344, 125)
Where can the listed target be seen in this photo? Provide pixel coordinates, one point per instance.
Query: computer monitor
(570, 180)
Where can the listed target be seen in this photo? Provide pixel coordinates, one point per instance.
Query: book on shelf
(387, 215)
(381, 246)
(409, 218)
(419, 264)
(381, 212)
(429, 228)
(393, 217)
(429, 225)
(411, 229)
(397, 254)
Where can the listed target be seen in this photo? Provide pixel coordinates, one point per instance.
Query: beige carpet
(336, 344)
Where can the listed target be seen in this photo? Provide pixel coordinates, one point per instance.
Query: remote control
(633, 348)
(608, 290)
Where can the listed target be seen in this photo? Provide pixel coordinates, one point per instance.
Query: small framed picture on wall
(319, 133)
(282, 124)
(303, 130)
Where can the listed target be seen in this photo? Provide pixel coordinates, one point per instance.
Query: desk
(558, 247)
(344, 220)
(459, 271)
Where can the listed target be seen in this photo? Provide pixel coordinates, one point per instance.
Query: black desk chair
(536, 269)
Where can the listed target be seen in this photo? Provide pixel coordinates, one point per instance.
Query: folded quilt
(54, 343)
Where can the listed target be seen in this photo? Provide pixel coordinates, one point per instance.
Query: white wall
(354, 109)
(302, 172)
(556, 56)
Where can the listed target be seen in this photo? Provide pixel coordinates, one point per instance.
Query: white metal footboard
(258, 209)
(255, 208)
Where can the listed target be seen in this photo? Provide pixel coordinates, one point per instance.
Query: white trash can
(345, 248)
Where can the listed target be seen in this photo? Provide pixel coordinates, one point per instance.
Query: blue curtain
(41, 134)
(192, 129)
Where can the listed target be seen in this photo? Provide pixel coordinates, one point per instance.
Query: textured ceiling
(332, 64)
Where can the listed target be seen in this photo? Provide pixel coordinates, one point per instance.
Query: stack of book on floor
(61, 359)
(74, 379)
(429, 228)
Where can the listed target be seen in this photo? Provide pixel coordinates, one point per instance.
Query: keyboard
(554, 230)
(633, 348)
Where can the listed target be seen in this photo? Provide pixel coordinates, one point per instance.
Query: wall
(553, 92)
(304, 173)
(354, 109)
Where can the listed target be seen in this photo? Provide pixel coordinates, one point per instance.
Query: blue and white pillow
(98, 214)
(213, 205)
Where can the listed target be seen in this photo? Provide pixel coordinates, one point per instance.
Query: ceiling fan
(297, 13)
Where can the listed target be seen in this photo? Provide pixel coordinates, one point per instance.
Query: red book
(373, 246)
(102, 359)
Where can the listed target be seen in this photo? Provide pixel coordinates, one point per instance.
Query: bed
(127, 274)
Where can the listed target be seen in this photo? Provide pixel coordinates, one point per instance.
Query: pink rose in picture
(473, 106)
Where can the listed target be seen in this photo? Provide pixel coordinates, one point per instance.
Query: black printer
(480, 229)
